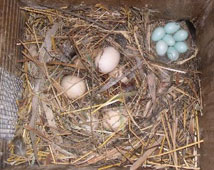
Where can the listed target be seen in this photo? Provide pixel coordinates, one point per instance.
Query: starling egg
(73, 86)
(169, 40)
(161, 48)
(172, 54)
(180, 35)
(107, 60)
(171, 27)
(158, 34)
(181, 47)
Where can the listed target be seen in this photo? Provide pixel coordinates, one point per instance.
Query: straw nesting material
(160, 100)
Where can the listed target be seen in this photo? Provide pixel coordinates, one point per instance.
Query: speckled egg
(172, 54)
(180, 35)
(161, 48)
(181, 47)
(171, 27)
(158, 34)
(169, 40)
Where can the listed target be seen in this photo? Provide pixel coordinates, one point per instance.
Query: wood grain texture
(9, 34)
(206, 44)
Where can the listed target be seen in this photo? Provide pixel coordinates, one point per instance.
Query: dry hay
(161, 99)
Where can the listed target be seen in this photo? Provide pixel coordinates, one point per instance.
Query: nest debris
(162, 99)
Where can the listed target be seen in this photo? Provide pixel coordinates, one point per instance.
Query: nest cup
(163, 102)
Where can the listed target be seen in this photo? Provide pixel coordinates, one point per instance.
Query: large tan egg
(114, 119)
(107, 60)
(74, 86)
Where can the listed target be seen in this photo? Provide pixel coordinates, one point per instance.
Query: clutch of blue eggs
(170, 40)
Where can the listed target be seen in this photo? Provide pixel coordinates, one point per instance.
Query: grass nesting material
(161, 99)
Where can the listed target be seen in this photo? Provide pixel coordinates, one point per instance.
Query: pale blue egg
(169, 40)
(158, 34)
(161, 48)
(180, 35)
(181, 47)
(172, 54)
(171, 27)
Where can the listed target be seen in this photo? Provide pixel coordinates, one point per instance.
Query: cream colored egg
(107, 60)
(114, 119)
(73, 86)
